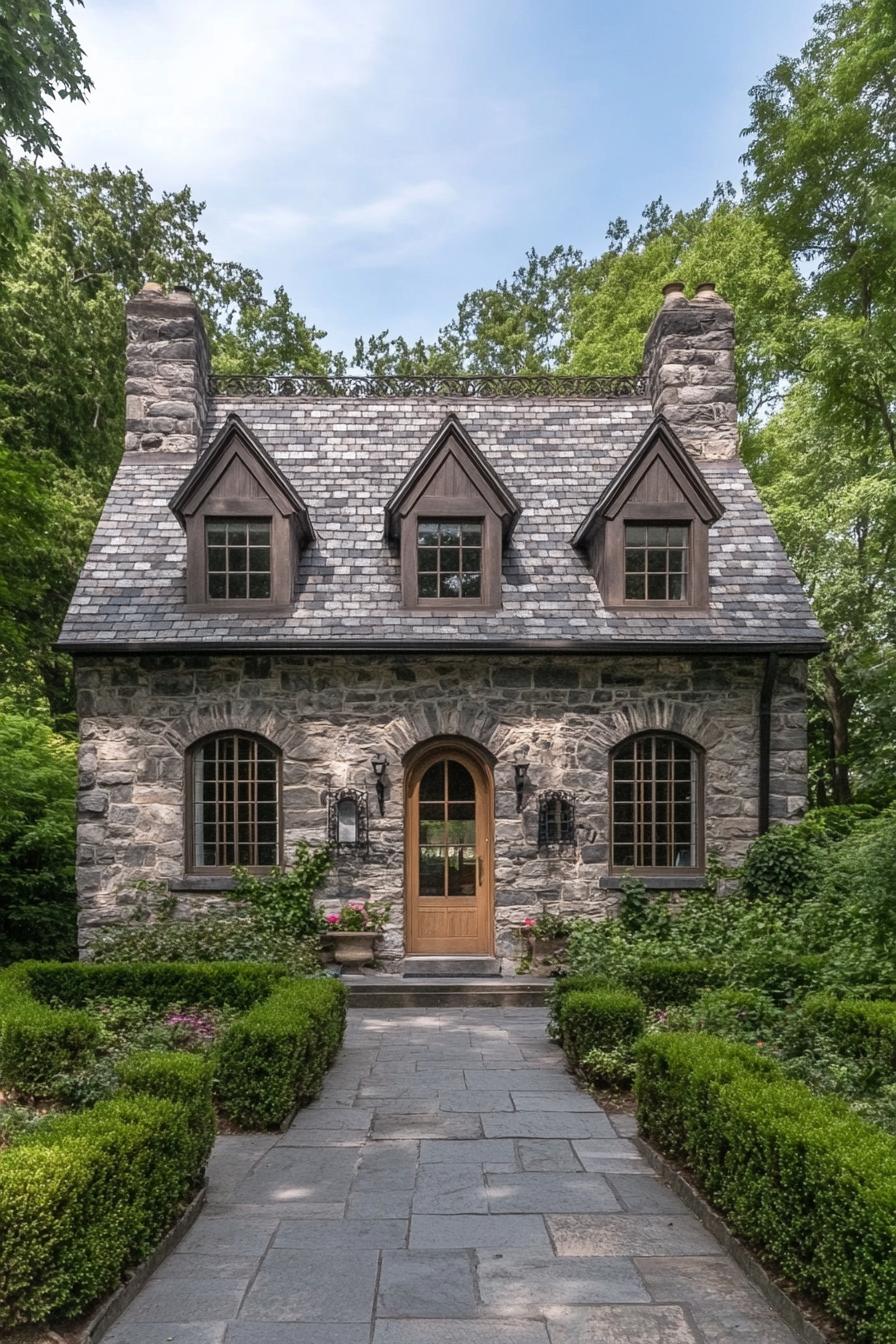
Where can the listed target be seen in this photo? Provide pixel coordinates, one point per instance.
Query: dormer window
(245, 527)
(647, 537)
(451, 518)
(238, 559)
(449, 558)
(656, 562)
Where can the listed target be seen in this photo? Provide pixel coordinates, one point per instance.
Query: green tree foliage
(823, 174)
(520, 325)
(40, 59)
(616, 297)
(95, 238)
(37, 838)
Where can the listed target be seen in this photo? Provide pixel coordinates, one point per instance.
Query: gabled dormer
(450, 518)
(245, 526)
(647, 537)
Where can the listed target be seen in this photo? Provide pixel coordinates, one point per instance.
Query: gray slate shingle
(345, 458)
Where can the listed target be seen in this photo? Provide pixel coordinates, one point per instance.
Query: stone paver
(451, 1185)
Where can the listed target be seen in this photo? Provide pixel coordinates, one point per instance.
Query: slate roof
(345, 458)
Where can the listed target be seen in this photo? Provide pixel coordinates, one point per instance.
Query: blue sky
(381, 157)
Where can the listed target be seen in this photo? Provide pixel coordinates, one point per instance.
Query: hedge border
(268, 1062)
(798, 1176)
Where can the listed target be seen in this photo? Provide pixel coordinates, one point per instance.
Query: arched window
(235, 803)
(656, 805)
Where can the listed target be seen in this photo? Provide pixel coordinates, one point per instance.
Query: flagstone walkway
(452, 1185)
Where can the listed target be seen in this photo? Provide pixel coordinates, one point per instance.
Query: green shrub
(38, 1043)
(286, 895)
(254, 935)
(613, 1068)
(798, 1176)
(785, 864)
(599, 1019)
(83, 1196)
(182, 1078)
(663, 983)
(860, 1029)
(745, 1015)
(784, 976)
(274, 1058)
(557, 991)
(213, 984)
(38, 781)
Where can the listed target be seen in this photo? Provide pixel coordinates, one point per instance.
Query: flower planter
(352, 949)
(325, 954)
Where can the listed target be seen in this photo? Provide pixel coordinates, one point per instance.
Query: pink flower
(527, 923)
(332, 919)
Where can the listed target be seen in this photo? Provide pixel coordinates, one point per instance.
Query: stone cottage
(499, 640)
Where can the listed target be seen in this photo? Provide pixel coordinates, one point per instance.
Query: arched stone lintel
(654, 714)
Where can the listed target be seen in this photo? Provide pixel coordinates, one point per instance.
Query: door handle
(479, 861)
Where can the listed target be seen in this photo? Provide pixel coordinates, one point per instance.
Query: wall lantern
(520, 771)
(347, 819)
(379, 763)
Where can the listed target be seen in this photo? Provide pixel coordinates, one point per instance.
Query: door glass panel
(447, 831)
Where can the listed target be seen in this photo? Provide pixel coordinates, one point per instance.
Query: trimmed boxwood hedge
(800, 1177)
(862, 1029)
(274, 1057)
(663, 982)
(83, 1196)
(599, 1019)
(269, 1061)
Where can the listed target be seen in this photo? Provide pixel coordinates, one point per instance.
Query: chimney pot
(706, 293)
(673, 292)
(152, 287)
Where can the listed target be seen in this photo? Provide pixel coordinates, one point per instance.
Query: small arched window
(235, 803)
(656, 805)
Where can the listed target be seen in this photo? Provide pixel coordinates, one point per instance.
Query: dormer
(245, 526)
(647, 537)
(450, 518)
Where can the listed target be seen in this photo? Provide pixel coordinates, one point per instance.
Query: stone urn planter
(547, 954)
(352, 949)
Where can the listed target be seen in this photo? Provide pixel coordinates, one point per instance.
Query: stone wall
(166, 379)
(329, 715)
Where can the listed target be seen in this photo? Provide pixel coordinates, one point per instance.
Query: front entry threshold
(419, 967)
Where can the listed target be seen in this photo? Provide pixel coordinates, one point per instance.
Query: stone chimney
(689, 364)
(166, 388)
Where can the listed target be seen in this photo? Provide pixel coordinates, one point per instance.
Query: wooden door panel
(448, 854)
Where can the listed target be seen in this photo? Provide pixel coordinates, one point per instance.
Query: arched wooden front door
(449, 814)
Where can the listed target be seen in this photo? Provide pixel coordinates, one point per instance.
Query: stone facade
(166, 389)
(329, 714)
(689, 365)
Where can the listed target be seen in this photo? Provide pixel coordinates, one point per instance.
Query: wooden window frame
(191, 867)
(610, 558)
(688, 572)
(698, 868)
(438, 508)
(283, 557)
(227, 572)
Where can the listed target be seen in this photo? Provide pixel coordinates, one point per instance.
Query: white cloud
(387, 212)
(198, 88)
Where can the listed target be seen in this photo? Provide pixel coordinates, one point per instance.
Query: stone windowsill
(186, 884)
(687, 882)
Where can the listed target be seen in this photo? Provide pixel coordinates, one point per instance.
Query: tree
(616, 298)
(95, 238)
(40, 59)
(823, 126)
(520, 325)
(37, 839)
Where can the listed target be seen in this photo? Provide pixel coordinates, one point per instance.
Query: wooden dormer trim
(236, 478)
(452, 480)
(659, 483)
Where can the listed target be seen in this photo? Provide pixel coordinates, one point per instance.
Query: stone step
(465, 967)
(394, 991)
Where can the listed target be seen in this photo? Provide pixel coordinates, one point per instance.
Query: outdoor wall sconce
(379, 763)
(520, 771)
(347, 819)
